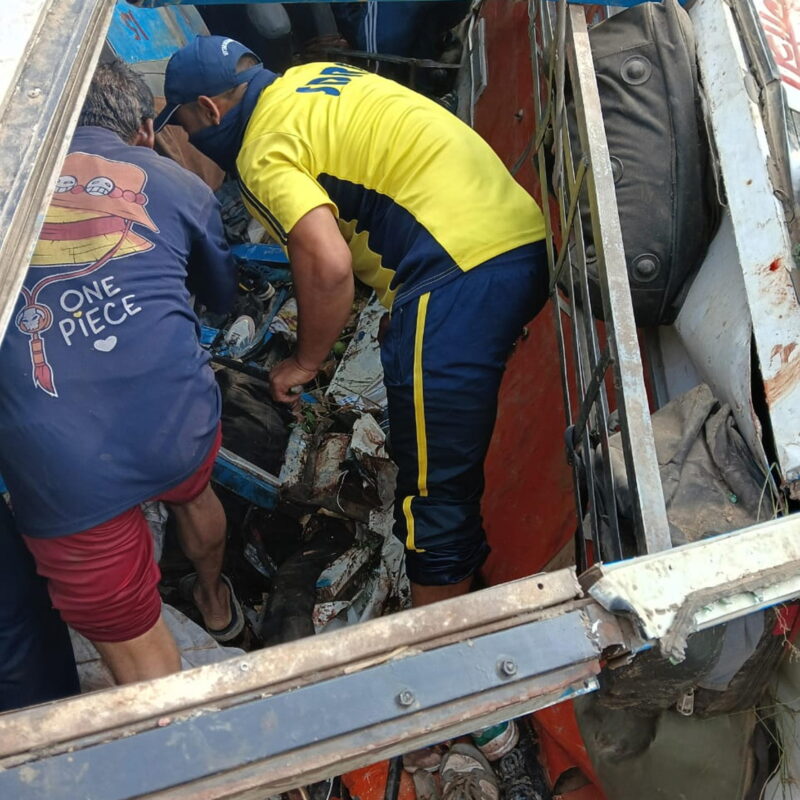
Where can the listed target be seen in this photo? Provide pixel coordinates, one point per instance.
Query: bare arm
(323, 279)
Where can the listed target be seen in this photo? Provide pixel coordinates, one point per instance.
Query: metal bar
(699, 585)
(598, 376)
(124, 707)
(36, 122)
(417, 63)
(637, 434)
(575, 185)
(410, 694)
(611, 549)
(559, 303)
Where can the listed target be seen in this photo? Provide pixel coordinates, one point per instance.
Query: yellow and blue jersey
(418, 195)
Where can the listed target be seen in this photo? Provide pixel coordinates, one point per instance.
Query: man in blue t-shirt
(106, 397)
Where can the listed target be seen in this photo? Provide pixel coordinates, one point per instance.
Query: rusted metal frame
(580, 440)
(650, 517)
(575, 184)
(671, 594)
(591, 398)
(116, 711)
(36, 122)
(611, 548)
(584, 337)
(412, 695)
(539, 11)
(773, 112)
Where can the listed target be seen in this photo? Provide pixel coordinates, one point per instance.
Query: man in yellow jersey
(356, 175)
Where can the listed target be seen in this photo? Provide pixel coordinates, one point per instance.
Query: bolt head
(405, 698)
(508, 667)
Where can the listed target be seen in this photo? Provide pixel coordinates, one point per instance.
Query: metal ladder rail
(567, 43)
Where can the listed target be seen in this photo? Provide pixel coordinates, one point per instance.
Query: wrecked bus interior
(637, 613)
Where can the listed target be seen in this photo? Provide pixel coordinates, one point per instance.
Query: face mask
(221, 143)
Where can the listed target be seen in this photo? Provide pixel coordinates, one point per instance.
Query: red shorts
(104, 580)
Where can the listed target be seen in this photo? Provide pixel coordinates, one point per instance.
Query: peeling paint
(786, 379)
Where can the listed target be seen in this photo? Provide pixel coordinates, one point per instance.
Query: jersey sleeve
(211, 269)
(277, 185)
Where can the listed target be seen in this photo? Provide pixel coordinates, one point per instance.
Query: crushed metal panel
(762, 238)
(673, 594)
(715, 328)
(358, 380)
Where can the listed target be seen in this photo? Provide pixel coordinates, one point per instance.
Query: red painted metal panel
(528, 507)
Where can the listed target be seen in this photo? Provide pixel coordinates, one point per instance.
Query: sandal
(234, 627)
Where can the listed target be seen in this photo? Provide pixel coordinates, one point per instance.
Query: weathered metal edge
(379, 639)
(699, 585)
(36, 125)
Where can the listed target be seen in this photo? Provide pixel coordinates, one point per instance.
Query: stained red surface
(528, 507)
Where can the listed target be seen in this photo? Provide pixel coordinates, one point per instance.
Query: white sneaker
(467, 775)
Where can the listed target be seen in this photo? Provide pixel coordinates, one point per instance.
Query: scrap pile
(308, 494)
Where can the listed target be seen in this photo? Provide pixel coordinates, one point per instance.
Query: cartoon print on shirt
(89, 223)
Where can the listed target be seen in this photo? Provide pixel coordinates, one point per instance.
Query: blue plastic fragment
(271, 253)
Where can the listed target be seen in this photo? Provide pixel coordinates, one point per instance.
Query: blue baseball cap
(205, 66)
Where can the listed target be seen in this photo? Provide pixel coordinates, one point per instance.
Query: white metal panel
(699, 585)
(19, 20)
(761, 236)
(714, 326)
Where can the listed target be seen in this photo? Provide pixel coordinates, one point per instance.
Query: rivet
(34, 93)
(244, 667)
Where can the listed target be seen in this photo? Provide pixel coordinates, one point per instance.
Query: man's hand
(288, 375)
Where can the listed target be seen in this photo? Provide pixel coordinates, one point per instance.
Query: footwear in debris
(497, 740)
(234, 627)
(467, 775)
(515, 778)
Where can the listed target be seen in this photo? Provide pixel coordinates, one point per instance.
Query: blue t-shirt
(106, 397)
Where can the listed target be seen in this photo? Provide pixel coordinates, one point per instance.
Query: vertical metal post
(584, 189)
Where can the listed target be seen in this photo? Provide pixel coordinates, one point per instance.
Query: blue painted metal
(398, 692)
(151, 34)
(244, 480)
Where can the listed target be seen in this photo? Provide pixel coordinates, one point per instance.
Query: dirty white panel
(762, 239)
(18, 22)
(714, 327)
(696, 586)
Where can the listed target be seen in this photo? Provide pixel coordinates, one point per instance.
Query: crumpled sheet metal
(344, 473)
(693, 587)
(386, 587)
(358, 381)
